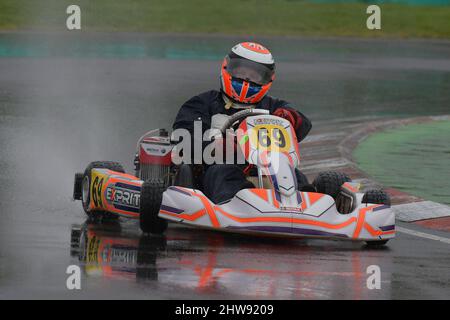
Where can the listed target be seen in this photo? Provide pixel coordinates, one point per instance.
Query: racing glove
(291, 115)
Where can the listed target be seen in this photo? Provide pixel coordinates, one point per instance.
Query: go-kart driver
(246, 76)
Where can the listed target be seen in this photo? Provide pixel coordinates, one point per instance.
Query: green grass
(246, 17)
(412, 158)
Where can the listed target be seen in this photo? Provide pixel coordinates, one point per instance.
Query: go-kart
(331, 207)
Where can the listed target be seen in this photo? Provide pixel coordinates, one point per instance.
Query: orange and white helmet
(247, 73)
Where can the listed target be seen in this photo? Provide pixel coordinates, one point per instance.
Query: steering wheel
(238, 117)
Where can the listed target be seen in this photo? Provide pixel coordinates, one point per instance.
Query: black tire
(86, 184)
(330, 182)
(376, 244)
(150, 202)
(77, 192)
(111, 165)
(184, 177)
(302, 180)
(376, 197)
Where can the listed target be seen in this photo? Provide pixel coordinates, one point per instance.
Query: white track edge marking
(422, 234)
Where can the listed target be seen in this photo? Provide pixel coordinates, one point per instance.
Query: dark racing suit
(222, 181)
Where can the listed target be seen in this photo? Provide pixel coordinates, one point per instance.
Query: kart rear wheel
(330, 182)
(111, 165)
(86, 185)
(77, 186)
(150, 203)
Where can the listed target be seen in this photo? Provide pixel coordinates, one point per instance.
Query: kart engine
(153, 156)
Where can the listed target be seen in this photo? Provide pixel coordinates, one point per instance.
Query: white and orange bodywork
(115, 192)
(257, 211)
(281, 209)
(278, 209)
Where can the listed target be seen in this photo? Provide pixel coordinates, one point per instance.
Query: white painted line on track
(422, 234)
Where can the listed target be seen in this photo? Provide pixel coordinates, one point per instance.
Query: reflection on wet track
(217, 265)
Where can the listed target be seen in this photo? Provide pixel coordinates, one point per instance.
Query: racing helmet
(247, 73)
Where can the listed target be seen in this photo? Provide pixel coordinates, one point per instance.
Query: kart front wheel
(151, 199)
(376, 243)
(376, 197)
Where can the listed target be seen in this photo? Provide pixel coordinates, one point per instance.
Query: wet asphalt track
(58, 111)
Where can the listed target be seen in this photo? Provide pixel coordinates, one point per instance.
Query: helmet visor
(251, 91)
(250, 71)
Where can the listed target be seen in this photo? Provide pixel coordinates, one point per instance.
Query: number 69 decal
(270, 138)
